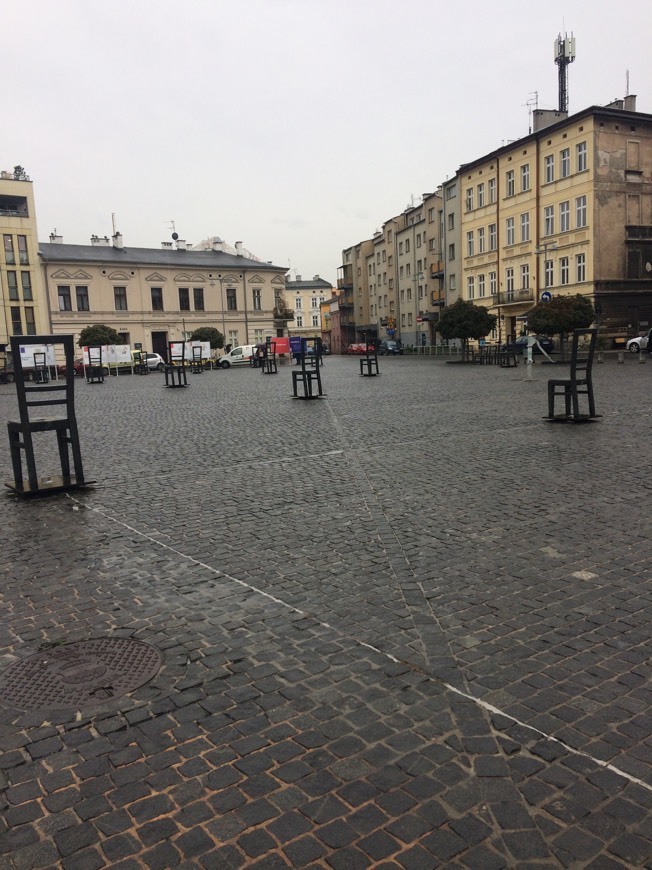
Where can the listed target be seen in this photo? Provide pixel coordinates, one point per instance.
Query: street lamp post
(221, 280)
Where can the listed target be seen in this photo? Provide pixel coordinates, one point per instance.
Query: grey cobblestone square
(405, 625)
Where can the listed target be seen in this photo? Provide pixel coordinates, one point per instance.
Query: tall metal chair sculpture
(41, 370)
(197, 361)
(579, 383)
(308, 375)
(95, 367)
(268, 363)
(33, 397)
(369, 363)
(175, 370)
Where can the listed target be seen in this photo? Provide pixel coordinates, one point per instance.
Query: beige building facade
(304, 298)
(153, 296)
(565, 210)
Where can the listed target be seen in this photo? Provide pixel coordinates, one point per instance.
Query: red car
(359, 348)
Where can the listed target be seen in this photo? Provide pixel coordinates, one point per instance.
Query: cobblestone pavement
(406, 625)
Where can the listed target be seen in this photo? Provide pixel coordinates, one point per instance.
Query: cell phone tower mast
(564, 54)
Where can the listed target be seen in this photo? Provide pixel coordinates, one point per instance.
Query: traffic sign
(419, 319)
(546, 296)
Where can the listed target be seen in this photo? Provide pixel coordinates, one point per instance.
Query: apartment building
(304, 298)
(564, 210)
(24, 305)
(153, 296)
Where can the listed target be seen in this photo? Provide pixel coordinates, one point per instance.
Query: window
(525, 227)
(580, 263)
(120, 297)
(402, 319)
(525, 176)
(549, 168)
(26, 282)
(493, 237)
(313, 302)
(481, 243)
(451, 191)
(509, 284)
(564, 216)
(493, 284)
(315, 320)
(184, 299)
(16, 320)
(408, 269)
(492, 189)
(157, 299)
(82, 298)
(580, 212)
(549, 220)
(525, 276)
(231, 299)
(258, 301)
(400, 247)
(23, 256)
(451, 221)
(299, 319)
(481, 290)
(470, 244)
(451, 252)
(258, 336)
(480, 195)
(298, 303)
(198, 298)
(580, 156)
(12, 283)
(468, 200)
(10, 257)
(547, 273)
(30, 322)
(409, 318)
(564, 270)
(431, 215)
(510, 188)
(470, 287)
(401, 271)
(407, 246)
(564, 163)
(233, 338)
(509, 225)
(65, 303)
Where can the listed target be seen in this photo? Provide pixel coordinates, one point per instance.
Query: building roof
(110, 255)
(315, 283)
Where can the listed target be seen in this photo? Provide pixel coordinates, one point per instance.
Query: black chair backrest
(33, 394)
(582, 356)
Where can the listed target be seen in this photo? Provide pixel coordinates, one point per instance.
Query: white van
(240, 355)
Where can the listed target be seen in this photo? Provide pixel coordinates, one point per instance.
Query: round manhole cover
(78, 674)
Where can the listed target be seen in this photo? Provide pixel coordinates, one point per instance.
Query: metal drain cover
(77, 674)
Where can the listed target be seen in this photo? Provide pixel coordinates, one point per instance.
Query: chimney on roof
(630, 103)
(297, 277)
(100, 241)
(166, 244)
(181, 245)
(316, 278)
(238, 249)
(56, 239)
(218, 245)
(117, 241)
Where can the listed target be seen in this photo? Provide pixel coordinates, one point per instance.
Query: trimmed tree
(210, 334)
(464, 320)
(98, 334)
(560, 316)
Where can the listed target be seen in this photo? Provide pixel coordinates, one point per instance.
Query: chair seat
(40, 424)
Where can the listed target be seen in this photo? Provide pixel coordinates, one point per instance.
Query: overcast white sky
(296, 126)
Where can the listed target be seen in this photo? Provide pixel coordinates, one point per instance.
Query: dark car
(388, 348)
(519, 345)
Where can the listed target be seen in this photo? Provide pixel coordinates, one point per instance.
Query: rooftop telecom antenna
(564, 54)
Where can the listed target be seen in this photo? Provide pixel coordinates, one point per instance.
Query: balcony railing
(509, 297)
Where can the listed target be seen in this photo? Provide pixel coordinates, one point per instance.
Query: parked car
(155, 361)
(359, 348)
(641, 342)
(388, 348)
(521, 343)
(240, 355)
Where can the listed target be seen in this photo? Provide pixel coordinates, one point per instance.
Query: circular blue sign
(546, 296)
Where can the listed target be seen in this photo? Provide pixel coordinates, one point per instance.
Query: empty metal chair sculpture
(34, 397)
(175, 369)
(369, 363)
(95, 367)
(579, 383)
(308, 374)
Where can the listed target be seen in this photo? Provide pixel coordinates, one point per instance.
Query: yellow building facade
(24, 305)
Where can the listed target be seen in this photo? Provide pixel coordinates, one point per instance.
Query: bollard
(528, 369)
(621, 356)
(641, 357)
(600, 359)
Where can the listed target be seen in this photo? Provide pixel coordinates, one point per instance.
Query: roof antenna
(533, 100)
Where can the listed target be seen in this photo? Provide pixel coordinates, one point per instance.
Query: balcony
(344, 283)
(514, 297)
(345, 300)
(437, 269)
